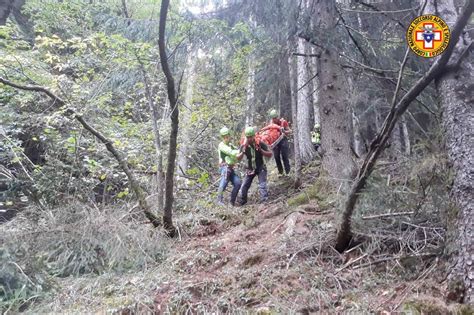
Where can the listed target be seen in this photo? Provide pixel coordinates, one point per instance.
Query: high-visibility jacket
(227, 153)
(315, 137)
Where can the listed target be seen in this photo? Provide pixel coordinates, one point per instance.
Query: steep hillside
(263, 258)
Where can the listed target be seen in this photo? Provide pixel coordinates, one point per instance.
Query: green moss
(420, 307)
(320, 191)
(464, 309)
(298, 200)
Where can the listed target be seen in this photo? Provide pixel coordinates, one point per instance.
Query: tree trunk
(292, 67)
(157, 141)
(170, 166)
(303, 137)
(249, 117)
(315, 92)
(334, 112)
(5, 9)
(405, 137)
(186, 146)
(23, 20)
(357, 136)
(457, 99)
(400, 140)
(284, 88)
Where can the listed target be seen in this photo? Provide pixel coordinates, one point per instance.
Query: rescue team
(270, 140)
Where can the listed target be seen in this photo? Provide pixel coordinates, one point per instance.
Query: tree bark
(334, 111)
(303, 137)
(134, 185)
(170, 166)
(405, 136)
(292, 67)
(250, 101)
(250, 113)
(186, 145)
(457, 99)
(284, 92)
(5, 9)
(357, 136)
(344, 234)
(316, 84)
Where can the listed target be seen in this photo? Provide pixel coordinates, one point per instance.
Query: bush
(19, 286)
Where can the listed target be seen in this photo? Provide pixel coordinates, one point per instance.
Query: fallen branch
(385, 215)
(351, 262)
(382, 260)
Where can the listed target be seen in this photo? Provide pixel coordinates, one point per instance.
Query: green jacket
(227, 153)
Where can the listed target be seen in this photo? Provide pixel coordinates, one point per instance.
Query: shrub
(77, 240)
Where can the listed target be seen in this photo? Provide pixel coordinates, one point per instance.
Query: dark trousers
(262, 185)
(281, 152)
(228, 175)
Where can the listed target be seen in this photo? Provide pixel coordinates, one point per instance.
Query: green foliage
(19, 285)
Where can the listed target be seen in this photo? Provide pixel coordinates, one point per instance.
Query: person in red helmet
(281, 151)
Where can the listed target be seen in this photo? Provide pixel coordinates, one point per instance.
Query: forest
(237, 156)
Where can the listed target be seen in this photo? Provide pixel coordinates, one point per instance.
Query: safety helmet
(249, 132)
(316, 126)
(273, 113)
(224, 131)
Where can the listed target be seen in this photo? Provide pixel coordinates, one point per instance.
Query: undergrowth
(74, 240)
(107, 258)
(404, 207)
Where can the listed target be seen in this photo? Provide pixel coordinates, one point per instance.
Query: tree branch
(306, 55)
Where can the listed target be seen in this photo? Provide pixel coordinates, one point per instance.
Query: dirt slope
(274, 258)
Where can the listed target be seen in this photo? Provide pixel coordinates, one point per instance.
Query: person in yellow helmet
(316, 136)
(228, 158)
(255, 150)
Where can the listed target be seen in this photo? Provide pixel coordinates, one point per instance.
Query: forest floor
(275, 258)
(262, 258)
